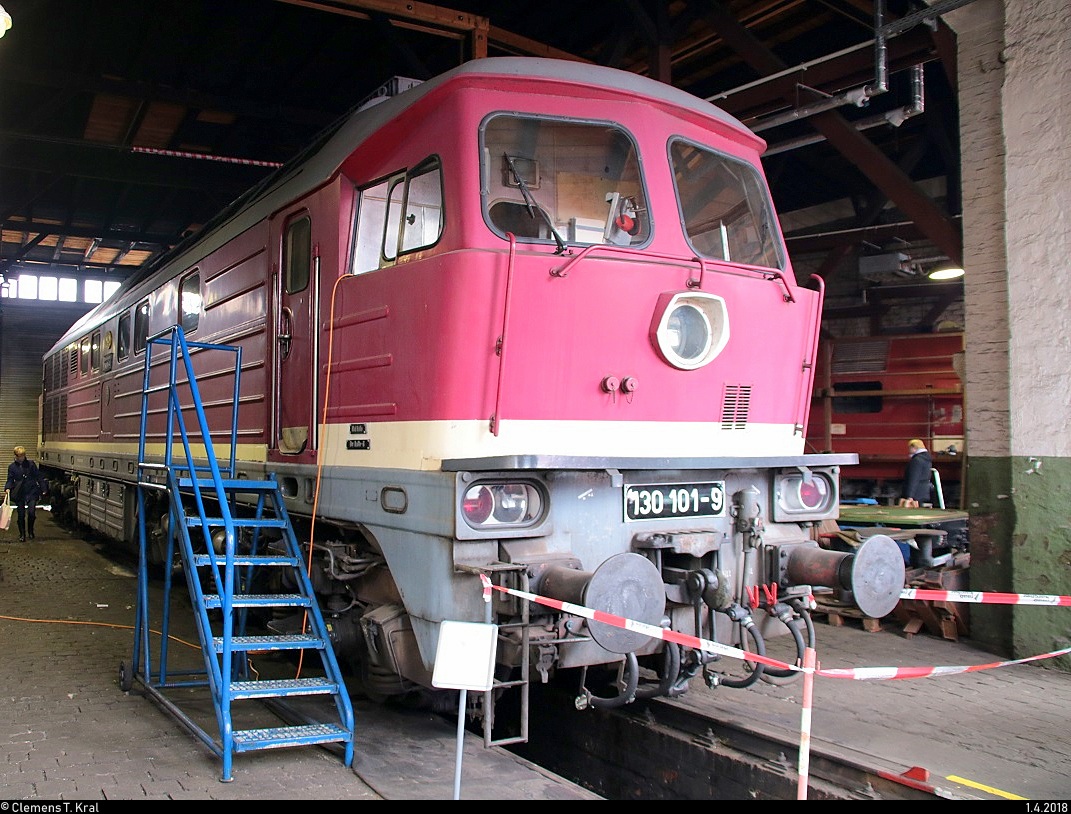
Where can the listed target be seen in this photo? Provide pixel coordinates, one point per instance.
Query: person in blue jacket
(915, 490)
(24, 487)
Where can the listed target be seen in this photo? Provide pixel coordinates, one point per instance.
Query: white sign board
(465, 657)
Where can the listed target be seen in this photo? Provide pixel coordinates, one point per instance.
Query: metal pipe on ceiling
(859, 97)
(856, 96)
(894, 117)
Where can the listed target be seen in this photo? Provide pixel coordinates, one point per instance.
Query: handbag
(5, 513)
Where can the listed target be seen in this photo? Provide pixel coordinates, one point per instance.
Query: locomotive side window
(122, 345)
(548, 179)
(371, 226)
(414, 210)
(724, 206)
(84, 355)
(423, 221)
(190, 302)
(94, 351)
(394, 211)
(297, 255)
(399, 215)
(141, 326)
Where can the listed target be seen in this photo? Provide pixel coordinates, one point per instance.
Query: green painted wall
(1020, 542)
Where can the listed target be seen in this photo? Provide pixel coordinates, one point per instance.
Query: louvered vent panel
(734, 407)
(861, 357)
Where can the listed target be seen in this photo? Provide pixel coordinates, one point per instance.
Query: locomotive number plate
(667, 500)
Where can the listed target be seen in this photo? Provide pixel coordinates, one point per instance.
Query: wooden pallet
(949, 620)
(837, 613)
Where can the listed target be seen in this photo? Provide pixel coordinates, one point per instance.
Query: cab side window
(297, 255)
(423, 220)
(122, 346)
(371, 220)
(190, 302)
(94, 351)
(141, 326)
(401, 214)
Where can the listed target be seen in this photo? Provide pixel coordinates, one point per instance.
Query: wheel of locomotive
(126, 679)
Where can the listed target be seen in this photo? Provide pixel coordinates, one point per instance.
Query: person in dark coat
(24, 487)
(916, 487)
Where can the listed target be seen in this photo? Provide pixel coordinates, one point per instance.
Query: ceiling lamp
(945, 271)
(5, 21)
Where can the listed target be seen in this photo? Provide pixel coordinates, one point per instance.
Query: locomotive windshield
(552, 180)
(724, 207)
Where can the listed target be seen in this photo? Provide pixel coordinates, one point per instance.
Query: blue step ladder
(246, 514)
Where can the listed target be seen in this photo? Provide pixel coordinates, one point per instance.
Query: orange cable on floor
(94, 624)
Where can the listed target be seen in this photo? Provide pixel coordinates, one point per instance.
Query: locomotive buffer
(220, 579)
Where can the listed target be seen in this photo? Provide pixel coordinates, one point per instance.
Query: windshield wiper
(533, 207)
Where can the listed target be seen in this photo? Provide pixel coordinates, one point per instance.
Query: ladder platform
(282, 687)
(260, 601)
(246, 740)
(292, 641)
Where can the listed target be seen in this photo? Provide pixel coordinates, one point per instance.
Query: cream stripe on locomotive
(425, 444)
(58, 453)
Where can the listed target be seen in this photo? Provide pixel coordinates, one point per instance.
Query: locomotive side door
(296, 346)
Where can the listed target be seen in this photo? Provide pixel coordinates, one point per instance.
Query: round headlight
(688, 332)
(690, 329)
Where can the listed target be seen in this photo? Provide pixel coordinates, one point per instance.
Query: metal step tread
(231, 484)
(246, 740)
(194, 520)
(289, 641)
(260, 601)
(246, 559)
(279, 687)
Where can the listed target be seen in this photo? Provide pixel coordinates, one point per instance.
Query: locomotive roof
(322, 158)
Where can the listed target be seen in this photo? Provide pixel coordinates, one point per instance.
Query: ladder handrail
(174, 339)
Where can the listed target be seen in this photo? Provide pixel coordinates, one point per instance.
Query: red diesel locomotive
(531, 320)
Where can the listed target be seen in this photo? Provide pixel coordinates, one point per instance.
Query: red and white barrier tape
(653, 631)
(857, 673)
(986, 597)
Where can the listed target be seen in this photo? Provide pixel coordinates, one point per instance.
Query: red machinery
(874, 393)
